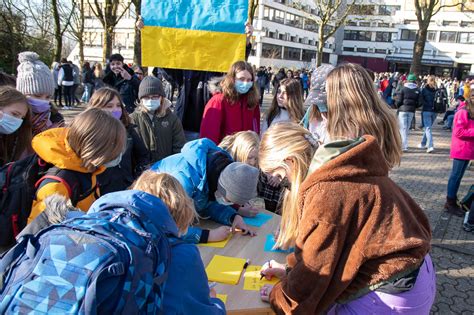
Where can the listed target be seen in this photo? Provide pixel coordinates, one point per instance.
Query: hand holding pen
(272, 269)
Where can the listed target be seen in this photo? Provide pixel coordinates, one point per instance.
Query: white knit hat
(34, 77)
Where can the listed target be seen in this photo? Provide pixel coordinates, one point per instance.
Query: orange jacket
(52, 146)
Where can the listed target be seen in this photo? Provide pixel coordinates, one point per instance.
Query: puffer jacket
(428, 98)
(409, 98)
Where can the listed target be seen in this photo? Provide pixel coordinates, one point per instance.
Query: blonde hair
(431, 81)
(287, 141)
(295, 102)
(240, 145)
(470, 105)
(170, 191)
(96, 137)
(228, 85)
(355, 109)
(103, 96)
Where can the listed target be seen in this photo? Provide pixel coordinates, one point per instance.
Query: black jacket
(409, 98)
(134, 161)
(128, 89)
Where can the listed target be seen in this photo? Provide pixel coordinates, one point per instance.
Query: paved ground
(425, 177)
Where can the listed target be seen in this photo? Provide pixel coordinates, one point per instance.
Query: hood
(195, 153)
(142, 203)
(347, 160)
(214, 85)
(52, 146)
(411, 85)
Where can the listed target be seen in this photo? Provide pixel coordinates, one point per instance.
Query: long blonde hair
(431, 81)
(282, 142)
(170, 191)
(228, 85)
(355, 109)
(96, 138)
(295, 102)
(240, 144)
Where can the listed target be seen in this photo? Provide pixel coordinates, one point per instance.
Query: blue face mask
(114, 162)
(242, 87)
(9, 124)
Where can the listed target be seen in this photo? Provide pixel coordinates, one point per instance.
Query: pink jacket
(462, 142)
(222, 118)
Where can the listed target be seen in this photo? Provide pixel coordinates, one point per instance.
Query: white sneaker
(429, 150)
(420, 146)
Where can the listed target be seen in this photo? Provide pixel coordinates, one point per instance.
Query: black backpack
(19, 182)
(440, 102)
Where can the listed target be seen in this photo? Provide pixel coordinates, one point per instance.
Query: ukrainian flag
(204, 35)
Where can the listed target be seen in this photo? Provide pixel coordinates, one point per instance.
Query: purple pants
(417, 301)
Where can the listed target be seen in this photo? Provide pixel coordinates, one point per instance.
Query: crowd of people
(321, 158)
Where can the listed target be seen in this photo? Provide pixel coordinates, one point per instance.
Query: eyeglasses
(138, 73)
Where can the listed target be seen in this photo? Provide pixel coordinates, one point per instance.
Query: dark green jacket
(163, 136)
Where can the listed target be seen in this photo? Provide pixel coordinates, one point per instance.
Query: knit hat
(150, 86)
(238, 182)
(34, 77)
(411, 77)
(318, 96)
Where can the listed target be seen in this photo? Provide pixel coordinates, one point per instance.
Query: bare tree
(13, 30)
(109, 16)
(137, 42)
(425, 10)
(330, 15)
(253, 5)
(77, 26)
(62, 18)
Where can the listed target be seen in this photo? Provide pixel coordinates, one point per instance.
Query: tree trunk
(108, 43)
(253, 4)
(319, 56)
(419, 48)
(81, 51)
(57, 31)
(81, 33)
(137, 48)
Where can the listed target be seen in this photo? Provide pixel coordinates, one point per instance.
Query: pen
(269, 266)
(247, 262)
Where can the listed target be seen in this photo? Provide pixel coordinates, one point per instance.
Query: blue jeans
(449, 122)
(459, 167)
(86, 96)
(404, 122)
(428, 119)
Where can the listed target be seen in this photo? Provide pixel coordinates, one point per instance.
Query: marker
(247, 263)
(269, 266)
(212, 284)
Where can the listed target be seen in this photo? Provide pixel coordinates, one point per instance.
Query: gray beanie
(238, 182)
(34, 77)
(318, 95)
(150, 86)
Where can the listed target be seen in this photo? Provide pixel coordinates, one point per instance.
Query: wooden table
(240, 301)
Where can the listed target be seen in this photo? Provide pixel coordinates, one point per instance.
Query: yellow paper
(222, 297)
(252, 280)
(220, 244)
(225, 269)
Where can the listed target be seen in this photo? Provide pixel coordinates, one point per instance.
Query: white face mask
(151, 104)
(114, 162)
(222, 201)
(9, 124)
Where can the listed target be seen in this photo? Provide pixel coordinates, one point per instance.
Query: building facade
(379, 35)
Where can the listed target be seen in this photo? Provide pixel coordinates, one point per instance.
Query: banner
(204, 35)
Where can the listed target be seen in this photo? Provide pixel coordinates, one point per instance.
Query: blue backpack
(113, 261)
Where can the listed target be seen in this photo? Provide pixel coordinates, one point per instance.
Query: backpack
(19, 181)
(113, 261)
(440, 102)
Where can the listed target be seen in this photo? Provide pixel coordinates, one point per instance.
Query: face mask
(114, 162)
(38, 105)
(222, 201)
(242, 87)
(116, 114)
(151, 104)
(9, 124)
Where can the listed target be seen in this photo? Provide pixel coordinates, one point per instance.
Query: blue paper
(259, 220)
(270, 242)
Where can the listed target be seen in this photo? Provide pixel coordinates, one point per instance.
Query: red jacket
(222, 118)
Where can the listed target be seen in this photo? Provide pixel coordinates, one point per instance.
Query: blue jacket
(428, 98)
(186, 289)
(189, 168)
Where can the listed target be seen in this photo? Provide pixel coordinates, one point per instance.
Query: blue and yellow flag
(193, 34)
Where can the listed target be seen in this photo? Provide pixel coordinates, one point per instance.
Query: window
(447, 37)
(311, 25)
(466, 38)
(450, 23)
(388, 9)
(292, 53)
(348, 48)
(282, 36)
(431, 37)
(271, 51)
(381, 51)
(357, 35)
(384, 24)
(361, 49)
(272, 34)
(365, 24)
(308, 55)
(408, 35)
(362, 9)
(294, 39)
(383, 37)
(279, 16)
(352, 23)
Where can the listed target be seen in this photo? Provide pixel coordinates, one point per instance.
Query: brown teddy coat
(357, 231)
